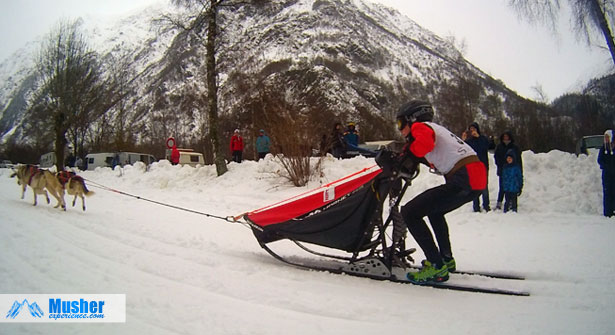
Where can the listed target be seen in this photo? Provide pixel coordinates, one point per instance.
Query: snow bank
(554, 182)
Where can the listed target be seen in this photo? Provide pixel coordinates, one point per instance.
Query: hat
(609, 134)
(262, 130)
(236, 130)
(475, 125)
(511, 153)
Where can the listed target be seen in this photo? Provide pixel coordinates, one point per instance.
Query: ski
(497, 275)
(399, 275)
(373, 268)
(472, 288)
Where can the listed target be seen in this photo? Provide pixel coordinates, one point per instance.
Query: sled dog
(40, 181)
(74, 185)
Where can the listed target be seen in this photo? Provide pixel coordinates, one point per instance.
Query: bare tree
(70, 83)
(588, 16)
(540, 95)
(203, 21)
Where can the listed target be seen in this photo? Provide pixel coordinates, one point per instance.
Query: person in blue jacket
(480, 144)
(351, 135)
(262, 144)
(512, 182)
(606, 160)
(507, 142)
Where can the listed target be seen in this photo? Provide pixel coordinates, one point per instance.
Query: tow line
(231, 219)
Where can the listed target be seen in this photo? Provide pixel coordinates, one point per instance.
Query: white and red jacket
(446, 153)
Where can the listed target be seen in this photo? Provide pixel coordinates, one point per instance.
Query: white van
(191, 158)
(48, 160)
(103, 159)
(129, 158)
(187, 157)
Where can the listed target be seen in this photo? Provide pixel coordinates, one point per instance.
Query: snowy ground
(184, 273)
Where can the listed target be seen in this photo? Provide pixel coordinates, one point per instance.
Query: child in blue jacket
(512, 182)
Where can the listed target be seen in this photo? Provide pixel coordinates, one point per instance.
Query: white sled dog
(40, 181)
(74, 185)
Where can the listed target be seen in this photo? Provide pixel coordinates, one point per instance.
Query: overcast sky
(521, 55)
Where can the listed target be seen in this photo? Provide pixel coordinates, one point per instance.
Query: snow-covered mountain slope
(346, 59)
(188, 274)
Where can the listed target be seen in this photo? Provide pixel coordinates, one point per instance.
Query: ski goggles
(401, 123)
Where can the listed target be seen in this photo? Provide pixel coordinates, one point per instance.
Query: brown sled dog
(74, 185)
(40, 181)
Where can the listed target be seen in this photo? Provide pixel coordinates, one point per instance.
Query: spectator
(338, 144)
(507, 142)
(512, 181)
(70, 160)
(480, 144)
(116, 160)
(79, 163)
(262, 144)
(351, 135)
(606, 159)
(237, 146)
(174, 155)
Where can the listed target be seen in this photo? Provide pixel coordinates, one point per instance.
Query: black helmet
(413, 111)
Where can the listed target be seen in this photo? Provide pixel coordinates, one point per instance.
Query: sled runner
(347, 215)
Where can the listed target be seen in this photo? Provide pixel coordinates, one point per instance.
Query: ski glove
(386, 160)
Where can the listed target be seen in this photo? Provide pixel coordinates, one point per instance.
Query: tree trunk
(604, 26)
(212, 90)
(60, 143)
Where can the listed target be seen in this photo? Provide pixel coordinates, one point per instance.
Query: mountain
(292, 66)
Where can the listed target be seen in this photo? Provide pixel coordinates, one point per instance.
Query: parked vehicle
(188, 157)
(129, 158)
(589, 142)
(47, 160)
(105, 159)
(7, 164)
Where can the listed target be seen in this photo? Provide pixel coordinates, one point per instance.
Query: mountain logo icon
(33, 308)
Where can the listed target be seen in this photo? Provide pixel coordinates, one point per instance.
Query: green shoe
(450, 264)
(428, 273)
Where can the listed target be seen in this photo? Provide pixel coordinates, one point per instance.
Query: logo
(33, 308)
(63, 308)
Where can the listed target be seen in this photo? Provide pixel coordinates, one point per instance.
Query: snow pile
(184, 273)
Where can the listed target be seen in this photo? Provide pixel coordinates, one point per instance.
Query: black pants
(261, 155)
(608, 193)
(485, 196)
(434, 203)
(237, 156)
(511, 201)
(501, 189)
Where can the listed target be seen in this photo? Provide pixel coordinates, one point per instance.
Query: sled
(345, 218)
(345, 215)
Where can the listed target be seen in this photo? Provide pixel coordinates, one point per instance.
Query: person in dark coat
(512, 181)
(606, 160)
(507, 142)
(338, 144)
(480, 144)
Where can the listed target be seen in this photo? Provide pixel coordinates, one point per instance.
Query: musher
(465, 179)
